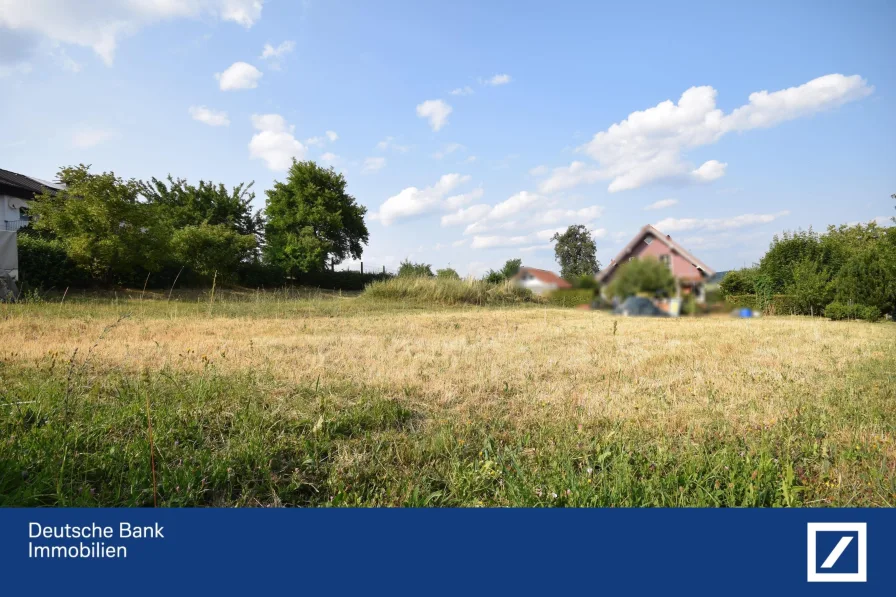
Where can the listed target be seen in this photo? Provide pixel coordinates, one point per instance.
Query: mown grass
(454, 407)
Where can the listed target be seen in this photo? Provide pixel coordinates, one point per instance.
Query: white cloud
(498, 80)
(239, 75)
(447, 150)
(466, 215)
(647, 146)
(101, 24)
(682, 224)
(470, 159)
(332, 136)
(373, 165)
(314, 141)
(462, 91)
(436, 112)
(274, 142)
(270, 52)
(566, 177)
(330, 158)
(662, 204)
(413, 201)
(709, 171)
(209, 116)
(460, 243)
(557, 216)
(86, 137)
(513, 205)
(537, 240)
(539, 170)
(389, 144)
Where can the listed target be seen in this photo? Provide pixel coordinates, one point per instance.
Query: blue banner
(422, 552)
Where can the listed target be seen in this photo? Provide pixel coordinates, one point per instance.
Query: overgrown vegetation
(642, 276)
(850, 265)
(447, 291)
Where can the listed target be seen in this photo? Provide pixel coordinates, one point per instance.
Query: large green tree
(184, 204)
(102, 223)
(576, 252)
(312, 222)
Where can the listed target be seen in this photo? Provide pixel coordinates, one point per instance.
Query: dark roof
(26, 187)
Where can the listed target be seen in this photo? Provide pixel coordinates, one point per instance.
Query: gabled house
(691, 274)
(539, 281)
(17, 191)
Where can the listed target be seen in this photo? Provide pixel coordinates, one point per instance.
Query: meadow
(310, 398)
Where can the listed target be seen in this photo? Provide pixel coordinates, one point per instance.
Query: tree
(184, 204)
(869, 278)
(738, 281)
(511, 267)
(447, 274)
(102, 224)
(646, 275)
(312, 222)
(409, 269)
(576, 252)
(810, 287)
(785, 252)
(211, 249)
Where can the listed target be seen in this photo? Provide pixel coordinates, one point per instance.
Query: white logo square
(814, 573)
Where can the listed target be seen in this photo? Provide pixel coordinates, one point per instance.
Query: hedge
(44, 264)
(778, 304)
(838, 311)
(571, 297)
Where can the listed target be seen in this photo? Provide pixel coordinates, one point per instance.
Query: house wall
(681, 268)
(10, 209)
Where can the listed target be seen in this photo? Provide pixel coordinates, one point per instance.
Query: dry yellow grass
(668, 374)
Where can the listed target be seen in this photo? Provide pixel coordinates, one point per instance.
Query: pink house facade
(689, 272)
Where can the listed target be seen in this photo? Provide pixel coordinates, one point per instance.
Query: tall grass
(445, 291)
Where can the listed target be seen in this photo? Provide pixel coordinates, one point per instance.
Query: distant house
(691, 274)
(16, 193)
(539, 281)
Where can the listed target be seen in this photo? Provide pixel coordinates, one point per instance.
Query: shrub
(838, 311)
(449, 273)
(211, 250)
(586, 281)
(43, 263)
(408, 269)
(645, 275)
(571, 297)
(445, 291)
(738, 282)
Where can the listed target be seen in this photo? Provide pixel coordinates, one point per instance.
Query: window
(666, 260)
(648, 239)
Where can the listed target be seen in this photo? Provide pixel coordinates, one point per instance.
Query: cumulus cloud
(462, 91)
(661, 204)
(413, 201)
(436, 112)
(209, 116)
(329, 158)
(274, 142)
(101, 24)
(87, 137)
(648, 145)
(712, 224)
(373, 165)
(496, 80)
(466, 215)
(332, 136)
(239, 75)
(536, 240)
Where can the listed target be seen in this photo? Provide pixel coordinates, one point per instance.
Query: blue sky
(473, 130)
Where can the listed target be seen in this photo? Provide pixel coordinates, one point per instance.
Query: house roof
(544, 276)
(665, 239)
(23, 186)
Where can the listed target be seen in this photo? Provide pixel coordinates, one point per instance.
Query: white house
(16, 193)
(539, 281)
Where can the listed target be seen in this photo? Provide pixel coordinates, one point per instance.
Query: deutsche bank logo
(837, 551)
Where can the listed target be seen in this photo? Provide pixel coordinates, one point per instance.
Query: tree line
(106, 230)
(848, 270)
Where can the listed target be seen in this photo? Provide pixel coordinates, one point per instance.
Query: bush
(338, 280)
(43, 263)
(645, 275)
(586, 281)
(408, 269)
(448, 273)
(776, 304)
(738, 282)
(838, 311)
(571, 297)
(444, 291)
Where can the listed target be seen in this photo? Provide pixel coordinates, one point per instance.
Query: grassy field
(322, 399)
